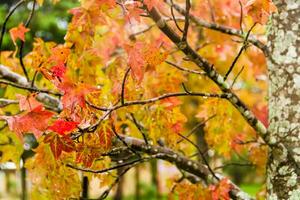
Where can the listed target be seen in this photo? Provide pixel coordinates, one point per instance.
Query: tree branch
(52, 102)
(211, 73)
(220, 28)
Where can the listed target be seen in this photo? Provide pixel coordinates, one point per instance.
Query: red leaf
(74, 94)
(58, 70)
(62, 127)
(35, 121)
(59, 144)
(18, 32)
(262, 114)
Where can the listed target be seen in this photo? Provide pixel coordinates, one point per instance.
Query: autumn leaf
(74, 94)
(151, 3)
(86, 155)
(58, 70)
(59, 144)
(260, 10)
(143, 56)
(63, 127)
(105, 137)
(261, 112)
(221, 190)
(171, 102)
(28, 103)
(135, 60)
(59, 54)
(35, 121)
(18, 32)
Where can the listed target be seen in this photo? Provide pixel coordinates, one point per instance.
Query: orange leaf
(260, 10)
(221, 190)
(35, 121)
(136, 60)
(18, 33)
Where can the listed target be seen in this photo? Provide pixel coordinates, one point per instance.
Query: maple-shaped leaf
(134, 12)
(260, 10)
(28, 103)
(151, 3)
(221, 190)
(144, 57)
(59, 54)
(74, 94)
(18, 32)
(135, 60)
(58, 70)
(86, 155)
(59, 144)
(35, 121)
(105, 136)
(63, 127)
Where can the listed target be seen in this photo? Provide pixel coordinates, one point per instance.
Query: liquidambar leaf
(18, 32)
(59, 144)
(63, 127)
(35, 121)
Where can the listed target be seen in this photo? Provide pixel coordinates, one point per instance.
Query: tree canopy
(132, 81)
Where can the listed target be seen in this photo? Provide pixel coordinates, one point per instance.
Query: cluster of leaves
(113, 55)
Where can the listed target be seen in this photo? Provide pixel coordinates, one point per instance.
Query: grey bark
(283, 172)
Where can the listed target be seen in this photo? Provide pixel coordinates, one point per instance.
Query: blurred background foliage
(49, 22)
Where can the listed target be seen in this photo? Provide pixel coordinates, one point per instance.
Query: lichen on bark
(283, 172)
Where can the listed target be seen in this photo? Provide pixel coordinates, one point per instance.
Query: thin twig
(234, 164)
(6, 102)
(212, 12)
(139, 128)
(123, 141)
(196, 128)
(185, 69)
(22, 42)
(12, 10)
(244, 47)
(110, 168)
(241, 17)
(202, 155)
(187, 20)
(234, 80)
(107, 191)
(31, 89)
(123, 85)
(174, 18)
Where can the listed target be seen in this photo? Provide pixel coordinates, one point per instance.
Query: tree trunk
(283, 172)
